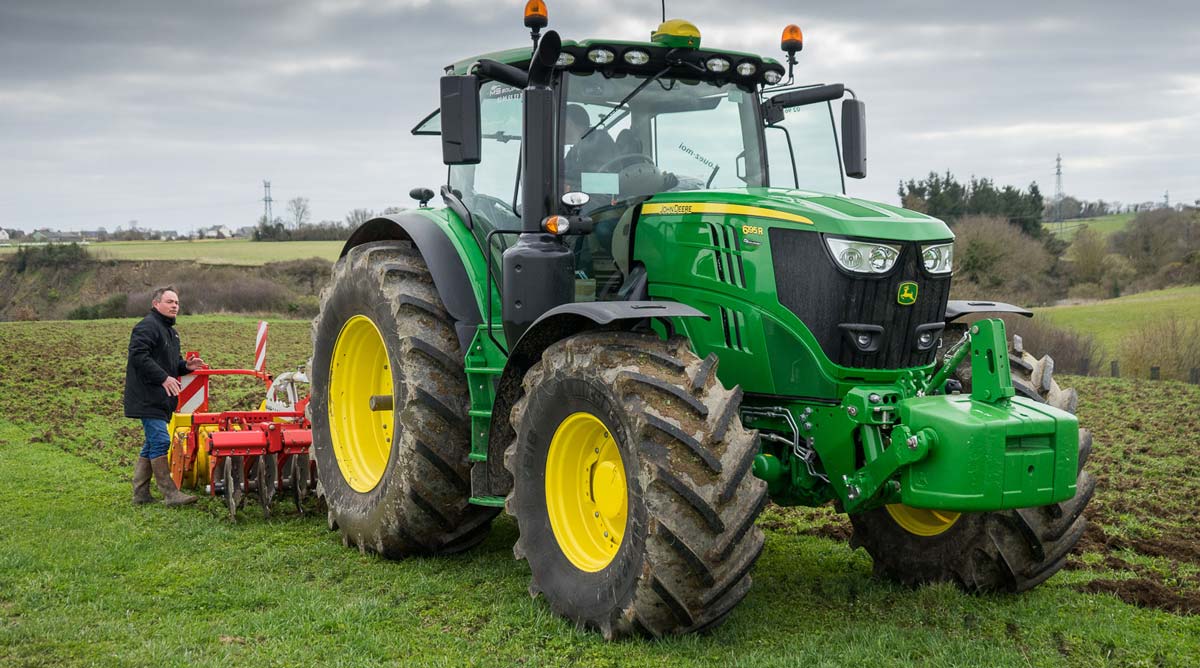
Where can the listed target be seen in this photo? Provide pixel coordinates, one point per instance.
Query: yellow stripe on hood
(685, 208)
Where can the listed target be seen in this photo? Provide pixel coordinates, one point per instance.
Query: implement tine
(268, 473)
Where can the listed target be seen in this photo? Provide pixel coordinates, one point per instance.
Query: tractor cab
(628, 121)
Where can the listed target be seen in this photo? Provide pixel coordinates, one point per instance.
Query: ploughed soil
(1143, 544)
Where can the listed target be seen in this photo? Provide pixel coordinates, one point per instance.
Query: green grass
(86, 579)
(1113, 319)
(1105, 225)
(212, 251)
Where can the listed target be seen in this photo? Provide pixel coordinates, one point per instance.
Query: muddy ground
(1143, 544)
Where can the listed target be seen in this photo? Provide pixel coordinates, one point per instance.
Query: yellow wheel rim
(587, 498)
(921, 521)
(359, 369)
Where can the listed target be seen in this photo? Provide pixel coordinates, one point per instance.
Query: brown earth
(64, 380)
(1147, 593)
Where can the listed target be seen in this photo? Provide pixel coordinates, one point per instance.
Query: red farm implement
(232, 453)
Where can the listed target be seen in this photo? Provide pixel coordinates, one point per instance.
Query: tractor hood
(833, 214)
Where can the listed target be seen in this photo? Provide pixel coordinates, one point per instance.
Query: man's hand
(194, 363)
(171, 385)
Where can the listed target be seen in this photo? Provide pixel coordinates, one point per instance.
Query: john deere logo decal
(907, 296)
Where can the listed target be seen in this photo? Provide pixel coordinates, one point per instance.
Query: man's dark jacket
(153, 355)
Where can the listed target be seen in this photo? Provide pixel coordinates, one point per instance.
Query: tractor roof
(577, 54)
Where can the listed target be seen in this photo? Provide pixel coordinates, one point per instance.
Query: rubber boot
(141, 482)
(162, 477)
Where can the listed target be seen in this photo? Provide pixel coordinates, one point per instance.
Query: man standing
(151, 392)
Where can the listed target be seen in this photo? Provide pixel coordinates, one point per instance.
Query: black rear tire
(1011, 550)
(420, 504)
(690, 540)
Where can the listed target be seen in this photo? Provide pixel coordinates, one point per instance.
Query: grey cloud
(172, 113)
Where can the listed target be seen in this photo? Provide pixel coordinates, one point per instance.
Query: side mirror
(461, 133)
(854, 138)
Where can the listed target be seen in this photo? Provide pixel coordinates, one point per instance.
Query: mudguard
(956, 308)
(563, 321)
(554, 325)
(446, 264)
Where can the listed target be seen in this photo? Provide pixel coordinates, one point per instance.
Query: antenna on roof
(664, 4)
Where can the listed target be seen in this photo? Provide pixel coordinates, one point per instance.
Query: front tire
(1010, 550)
(396, 481)
(633, 487)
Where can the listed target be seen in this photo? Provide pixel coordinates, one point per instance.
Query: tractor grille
(837, 306)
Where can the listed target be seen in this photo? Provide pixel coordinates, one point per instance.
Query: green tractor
(646, 310)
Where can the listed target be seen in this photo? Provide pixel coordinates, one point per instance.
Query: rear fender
(454, 260)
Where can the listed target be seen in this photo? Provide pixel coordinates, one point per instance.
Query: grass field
(212, 251)
(1112, 319)
(1105, 225)
(86, 579)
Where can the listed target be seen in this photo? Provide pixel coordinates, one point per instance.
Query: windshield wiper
(622, 103)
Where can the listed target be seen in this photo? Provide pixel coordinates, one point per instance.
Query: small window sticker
(604, 183)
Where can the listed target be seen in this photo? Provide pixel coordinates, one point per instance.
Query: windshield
(672, 134)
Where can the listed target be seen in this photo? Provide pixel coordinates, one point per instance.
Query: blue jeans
(157, 439)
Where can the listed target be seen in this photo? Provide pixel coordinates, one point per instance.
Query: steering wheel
(626, 160)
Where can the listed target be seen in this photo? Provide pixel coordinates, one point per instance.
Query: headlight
(938, 259)
(772, 77)
(746, 69)
(863, 257)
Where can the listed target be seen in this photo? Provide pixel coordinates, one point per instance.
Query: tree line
(298, 226)
(1003, 252)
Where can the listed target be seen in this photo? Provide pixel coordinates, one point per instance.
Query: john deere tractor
(646, 310)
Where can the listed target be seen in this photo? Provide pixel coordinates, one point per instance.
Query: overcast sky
(173, 113)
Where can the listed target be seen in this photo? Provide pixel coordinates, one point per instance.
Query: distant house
(39, 236)
(3, 234)
(215, 232)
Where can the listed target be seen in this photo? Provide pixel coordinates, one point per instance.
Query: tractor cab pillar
(539, 269)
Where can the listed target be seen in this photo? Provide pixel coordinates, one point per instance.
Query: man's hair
(159, 293)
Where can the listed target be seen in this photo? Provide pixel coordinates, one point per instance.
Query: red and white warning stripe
(260, 346)
(193, 395)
